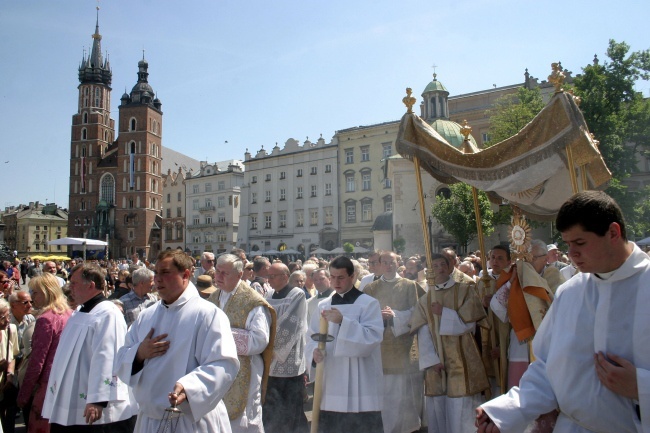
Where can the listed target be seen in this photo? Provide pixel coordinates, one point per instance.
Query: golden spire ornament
(519, 235)
(409, 100)
(557, 77)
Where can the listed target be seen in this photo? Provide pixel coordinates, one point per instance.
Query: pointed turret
(93, 68)
(142, 92)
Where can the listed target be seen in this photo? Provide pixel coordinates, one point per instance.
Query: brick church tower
(115, 183)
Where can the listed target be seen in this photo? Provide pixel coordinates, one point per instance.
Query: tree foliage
(619, 117)
(512, 112)
(348, 247)
(456, 214)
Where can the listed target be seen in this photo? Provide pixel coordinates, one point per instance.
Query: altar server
(353, 386)
(593, 348)
(179, 351)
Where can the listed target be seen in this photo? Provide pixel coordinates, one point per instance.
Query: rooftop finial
(409, 100)
(434, 72)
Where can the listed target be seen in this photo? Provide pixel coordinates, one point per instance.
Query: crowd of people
(451, 345)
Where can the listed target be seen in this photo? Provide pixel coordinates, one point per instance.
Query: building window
(169, 198)
(221, 201)
(84, 134)
(328, 189)
(366, 211)
(132, 124)
(349, 156)
(365, 179)
(253, 222)
(179, 212)
(314, 190)
(196, 220)
(196, 238)
(208, 187)
(299, 192)
(131, 234)
(221, 217)
(268, 177)
(221, 185)
(254, 179)
(221, 237)
(387, 183)
(328, 168)
(267, 196)
(253, 197)
(486, 137)
(168, 213)
(108, 188)
(168, 233)
(267, 221)
(300, 218)
(313, 217)
(314, 170)
(283, 194)
(329, 215)
(178, 196)
(388, 150)
(282, 217)
(208, 219)
(388, 203)
(365, 153)
(349, 183)
(195, 204)
(195, 189)
(283, 175)
(299, 172)
(208, 203)
(351, 212)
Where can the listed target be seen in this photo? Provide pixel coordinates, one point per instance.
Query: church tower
(93, 131)
(139, 159)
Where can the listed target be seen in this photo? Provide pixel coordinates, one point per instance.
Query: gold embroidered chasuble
(496, 334)
(400, 295)
(465, 373)
(237, 309)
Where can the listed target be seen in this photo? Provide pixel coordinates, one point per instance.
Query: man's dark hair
(91, 272)
(502, 248)
(594, 211)
(342, 262)
(438, 256)
(259, 263)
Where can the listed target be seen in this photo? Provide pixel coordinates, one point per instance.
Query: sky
(253, 73)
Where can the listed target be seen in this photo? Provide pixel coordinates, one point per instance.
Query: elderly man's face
(49, 267)
(22, 306)
(207, 262)
(226, 277)
(278, 276)
(538, 260)
(321, 282)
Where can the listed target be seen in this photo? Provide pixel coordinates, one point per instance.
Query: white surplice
(202, 357)
(289, 347)
(251, 341)
(353, 377)
(589, 315)
(82, 371)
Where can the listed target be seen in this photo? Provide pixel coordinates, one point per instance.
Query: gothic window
(132, 125)
(107, 188)
(83, 151)
(97, 97)
(85, 118)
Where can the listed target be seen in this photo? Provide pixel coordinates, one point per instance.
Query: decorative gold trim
(409, 100)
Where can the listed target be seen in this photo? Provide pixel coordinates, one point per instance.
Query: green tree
(348, 247)
(399, 244)
(619, 117)
(456, 214)
(512, 112)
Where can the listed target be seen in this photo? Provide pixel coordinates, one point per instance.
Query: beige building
(30, 227)
(364, 191)
(173, 221)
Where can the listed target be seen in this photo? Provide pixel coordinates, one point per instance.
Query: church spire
(93, 69)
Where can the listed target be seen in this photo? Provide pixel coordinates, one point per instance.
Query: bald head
(278, 276)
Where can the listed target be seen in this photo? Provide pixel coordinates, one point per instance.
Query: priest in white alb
(592, 350)
(179, 351)
(83, 394)
(251, 320)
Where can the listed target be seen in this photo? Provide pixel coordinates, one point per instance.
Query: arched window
(132, 124)
(83, 151)
(107, 188)
(133, 147)
(97, 97)
(85, 118)
(130, 202)
(84, 134)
